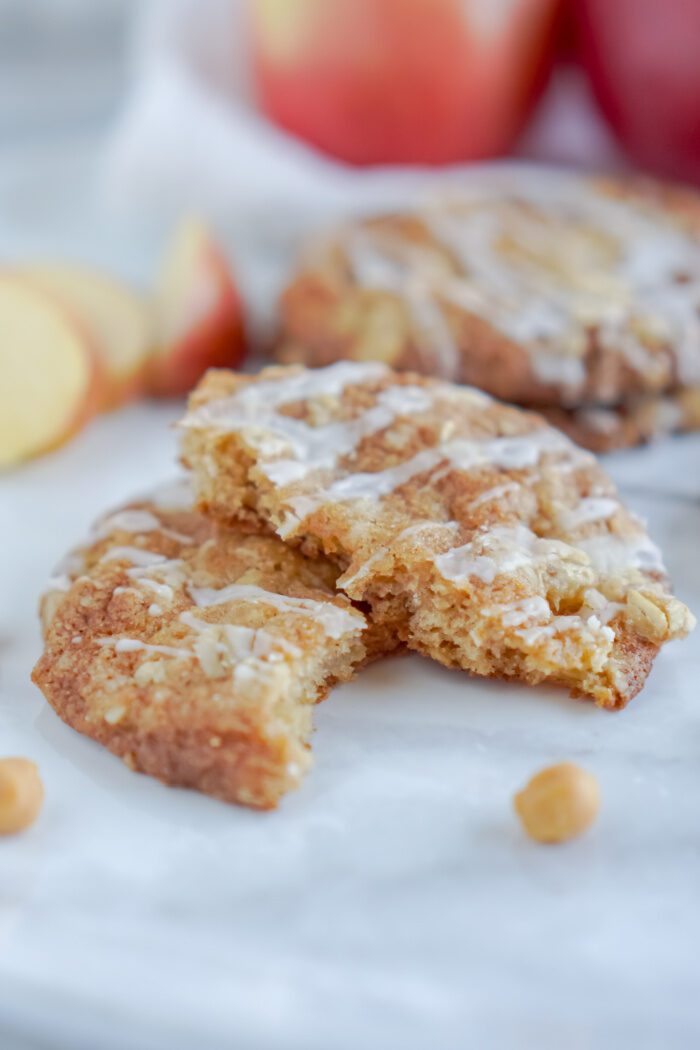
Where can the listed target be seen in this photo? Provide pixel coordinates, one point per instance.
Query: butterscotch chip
(159, 645)
(542, 288)
(21, 794)
(476, 533)
(559, 803)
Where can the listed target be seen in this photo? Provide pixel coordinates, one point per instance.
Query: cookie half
(195, 652)
(539, 287)
(478, 534)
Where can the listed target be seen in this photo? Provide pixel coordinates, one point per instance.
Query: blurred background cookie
(543, 288)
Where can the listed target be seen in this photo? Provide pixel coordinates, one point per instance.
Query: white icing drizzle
(137, 521)
(611, 554)
(589, 509)
(513, 614)
(494, 494)
(162, 590)
(335, 621)
(146, 565)
(505, 548)
(562, 625)
(134, 556)
(502, 549)
(376, 268)
(405, 400)
(172, 569)
(237, 645)
(129, 520)
(422, 526)
(133, 645)
(237, 642)
(371, 485)
(162, 577)
(519, 614)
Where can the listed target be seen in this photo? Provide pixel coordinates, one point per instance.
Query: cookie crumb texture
(542, 288)
(476, 533)
(195, 652)
(559, 803)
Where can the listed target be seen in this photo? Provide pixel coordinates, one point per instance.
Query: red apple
(198, 314)
(402, 81)
(643, 60)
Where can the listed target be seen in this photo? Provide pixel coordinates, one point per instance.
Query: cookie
(636, 422)
(477, 534)
(541, 288)
(194, 652)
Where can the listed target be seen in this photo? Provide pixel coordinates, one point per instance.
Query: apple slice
(199, 313)
(115, 317)
(50, 376)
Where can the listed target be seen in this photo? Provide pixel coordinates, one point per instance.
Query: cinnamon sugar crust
(476, 533)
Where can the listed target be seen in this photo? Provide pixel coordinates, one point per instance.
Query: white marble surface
(393, 901)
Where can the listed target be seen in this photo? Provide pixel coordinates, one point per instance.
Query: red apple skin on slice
(115, 316)
(51, 378)
(199, 314)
